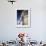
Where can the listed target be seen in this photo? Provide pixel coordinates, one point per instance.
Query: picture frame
(23, 22)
